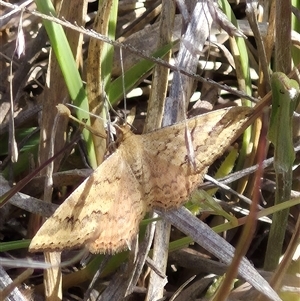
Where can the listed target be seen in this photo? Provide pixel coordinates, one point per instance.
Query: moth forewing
(211, 134)
(101, 213)
(151, 170)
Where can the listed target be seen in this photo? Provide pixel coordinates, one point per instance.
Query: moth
(145, 172)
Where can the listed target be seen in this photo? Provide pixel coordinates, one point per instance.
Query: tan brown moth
(146, 171)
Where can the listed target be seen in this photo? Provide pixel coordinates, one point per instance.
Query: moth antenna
(111, 108)
(129, 120)
(109, 125)
(80, 109)
(122, 120)
(64, 110)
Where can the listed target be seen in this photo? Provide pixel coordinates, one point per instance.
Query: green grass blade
(69, 70)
